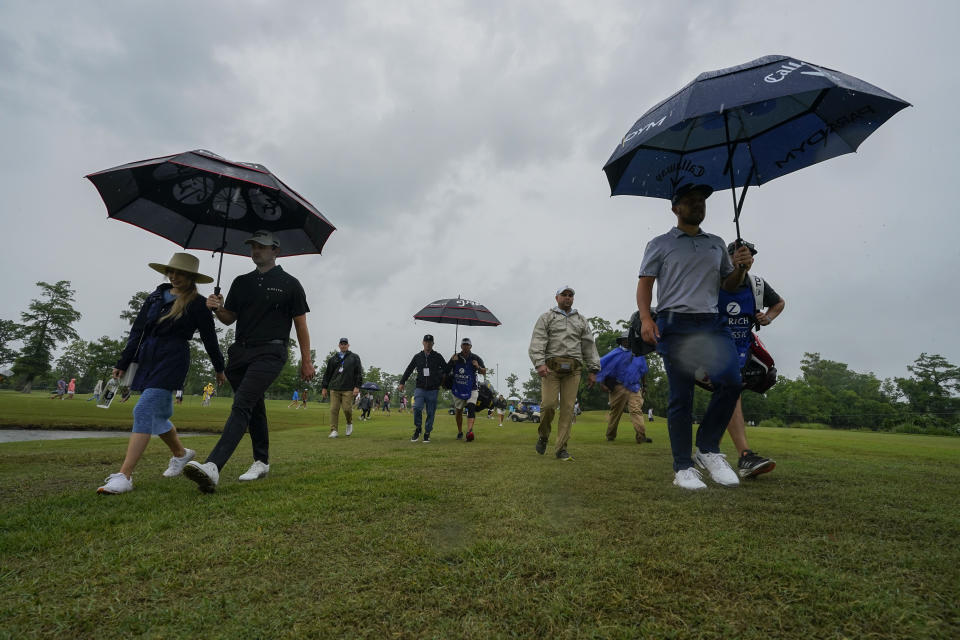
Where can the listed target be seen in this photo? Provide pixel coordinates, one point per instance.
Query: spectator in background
(342, 378)
(430, 367)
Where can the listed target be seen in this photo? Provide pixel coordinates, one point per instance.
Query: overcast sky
(458, 148)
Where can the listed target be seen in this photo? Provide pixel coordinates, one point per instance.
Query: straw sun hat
(182, 262)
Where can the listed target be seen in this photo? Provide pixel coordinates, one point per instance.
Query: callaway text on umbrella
(746, 125)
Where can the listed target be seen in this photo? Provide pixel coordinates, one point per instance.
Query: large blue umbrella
(747, 125)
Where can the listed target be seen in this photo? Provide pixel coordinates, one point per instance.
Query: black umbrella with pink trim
(200, 200)
(457, 311)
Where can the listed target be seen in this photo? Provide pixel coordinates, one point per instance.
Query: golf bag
(758, 373)
(485, 396)
(636, 344)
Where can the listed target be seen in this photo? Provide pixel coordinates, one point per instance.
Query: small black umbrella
(200, 200)
(457, 311)
(370, 386)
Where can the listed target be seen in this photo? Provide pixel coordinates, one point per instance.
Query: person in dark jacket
(159, 345)
(430, 367)
(342, 378)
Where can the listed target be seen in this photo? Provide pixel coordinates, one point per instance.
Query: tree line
(826, 392)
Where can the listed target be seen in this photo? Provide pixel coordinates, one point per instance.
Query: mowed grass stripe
(853, 535)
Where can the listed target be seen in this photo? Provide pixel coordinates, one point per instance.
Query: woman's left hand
(221, 379)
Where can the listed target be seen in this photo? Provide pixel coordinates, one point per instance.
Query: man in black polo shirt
(430, 367)
(263, 303)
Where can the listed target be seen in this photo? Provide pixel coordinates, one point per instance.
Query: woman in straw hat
(159, 344)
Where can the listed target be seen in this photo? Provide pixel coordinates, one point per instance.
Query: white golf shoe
(256, 471)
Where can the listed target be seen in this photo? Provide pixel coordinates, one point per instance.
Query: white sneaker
(256, 471)
(116, 483)
(349, 429)
(333, 434)
(689, 479)
(206, 475)
(716, 465)
(176, 465)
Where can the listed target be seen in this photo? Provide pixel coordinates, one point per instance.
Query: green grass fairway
(854, 535)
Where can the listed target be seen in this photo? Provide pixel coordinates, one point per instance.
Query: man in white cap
(264, 303)
(561, 347)
(464, 367)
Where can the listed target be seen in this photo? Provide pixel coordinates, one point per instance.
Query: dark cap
(344, 341)
(749, 245)
(428, 338)
(689, 187)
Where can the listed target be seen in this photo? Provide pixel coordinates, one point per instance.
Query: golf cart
(526, 412)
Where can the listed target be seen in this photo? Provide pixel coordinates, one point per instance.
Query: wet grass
(855, 535)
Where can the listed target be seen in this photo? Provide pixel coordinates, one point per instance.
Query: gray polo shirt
(688, 269)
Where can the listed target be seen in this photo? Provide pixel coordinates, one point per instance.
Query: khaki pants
(622, 397)
(338, 398)
(556, 389)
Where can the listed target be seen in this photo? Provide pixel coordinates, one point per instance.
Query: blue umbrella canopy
(370, 386)
(747, 125)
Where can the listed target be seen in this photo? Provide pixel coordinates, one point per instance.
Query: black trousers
(250, 371)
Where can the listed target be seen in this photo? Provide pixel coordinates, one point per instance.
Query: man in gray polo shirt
(689, 267)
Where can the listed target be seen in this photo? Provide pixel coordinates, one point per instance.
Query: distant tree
(74, 362)
(10, 331)
(657, 393)
(47, 322)
(102, 356)
(933, 387)
(133, 306)
(512, 381)
(531, 388)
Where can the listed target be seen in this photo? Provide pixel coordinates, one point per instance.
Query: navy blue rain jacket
(164, 353)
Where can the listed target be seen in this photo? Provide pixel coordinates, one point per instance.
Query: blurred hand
(214, 301)
(307, 371)
(650, 332)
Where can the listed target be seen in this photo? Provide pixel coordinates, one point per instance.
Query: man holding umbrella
(560, 347)
(343, 377)
(264, 303)
(430, 367)
(689, 267)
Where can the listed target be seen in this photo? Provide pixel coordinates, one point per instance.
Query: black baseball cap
(689, 187)
(428, 338)
(344, 341)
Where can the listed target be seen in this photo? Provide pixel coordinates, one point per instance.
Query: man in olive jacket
(560, 348)
(342, 377)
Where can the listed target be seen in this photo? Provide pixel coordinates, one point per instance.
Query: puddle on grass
(22, 435)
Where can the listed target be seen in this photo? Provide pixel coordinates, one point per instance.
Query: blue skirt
(153, 411)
